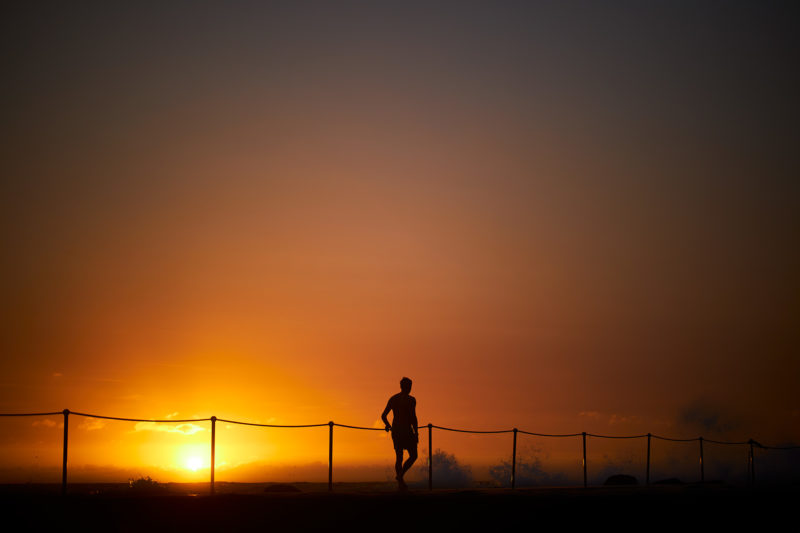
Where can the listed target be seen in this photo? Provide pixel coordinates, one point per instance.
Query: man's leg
(398, 465)
(412, 456)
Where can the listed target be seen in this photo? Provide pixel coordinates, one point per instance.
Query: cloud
(622, 419)
(46, 423)
(131, 397)
(92, 424)
(185, 428)
(703, 416)
(613, 418)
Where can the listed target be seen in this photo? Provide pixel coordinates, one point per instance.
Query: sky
(556, 216)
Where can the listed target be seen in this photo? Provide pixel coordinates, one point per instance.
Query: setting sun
(192, 457)
(194, 463)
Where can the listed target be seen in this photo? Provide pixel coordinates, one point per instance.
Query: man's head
(405, 385)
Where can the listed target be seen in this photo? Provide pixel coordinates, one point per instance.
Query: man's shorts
(407, 441)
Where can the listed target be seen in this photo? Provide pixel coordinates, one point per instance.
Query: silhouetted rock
(621, 479)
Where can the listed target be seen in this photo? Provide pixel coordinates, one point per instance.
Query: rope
(548, 435)
(616, 437)
(725, 442)
(674, 440)
(359, 427)
(31, 414)
(469, 431)
(168, 421)
(269, 425)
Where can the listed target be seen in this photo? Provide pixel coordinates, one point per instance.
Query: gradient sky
(563, 216)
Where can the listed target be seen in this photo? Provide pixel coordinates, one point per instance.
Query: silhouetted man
(404, 428)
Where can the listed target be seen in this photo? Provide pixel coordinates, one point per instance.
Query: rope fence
(430, 427)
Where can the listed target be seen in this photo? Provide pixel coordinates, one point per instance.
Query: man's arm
(386, 412)
(414, 418)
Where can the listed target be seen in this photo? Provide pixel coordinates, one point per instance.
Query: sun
(194, 463)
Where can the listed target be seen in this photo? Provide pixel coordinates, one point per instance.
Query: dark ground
(374, 507)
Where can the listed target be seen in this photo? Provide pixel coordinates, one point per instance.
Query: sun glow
(194, 463)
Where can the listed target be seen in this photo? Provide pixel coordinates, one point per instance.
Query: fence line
(752, 444)
(358, 427)
(31, 414)
(269, 425)
(617, 436)
(675, 440)
(726, 442)
(165, 420)
(473, 431)
(551, 435)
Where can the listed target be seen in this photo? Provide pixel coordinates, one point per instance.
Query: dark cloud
(707, 418)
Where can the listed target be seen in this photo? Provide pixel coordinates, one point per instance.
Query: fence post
(330, 456)
(514, 461)
(584, 460)
(702, 467)
(647, 475)
(213, 449)
(430, 456)
(64, 459)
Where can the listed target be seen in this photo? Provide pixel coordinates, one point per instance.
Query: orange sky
(273, 214)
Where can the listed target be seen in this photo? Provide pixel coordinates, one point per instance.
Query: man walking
(404, 428)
